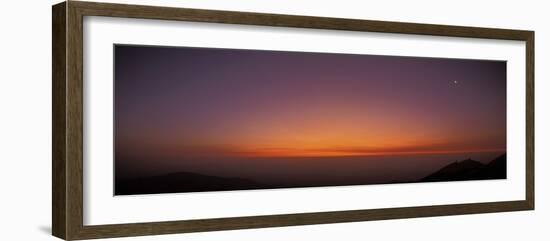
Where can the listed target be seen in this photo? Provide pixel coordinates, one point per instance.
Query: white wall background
(25, 122)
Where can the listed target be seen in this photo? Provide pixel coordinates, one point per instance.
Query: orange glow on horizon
(315, 141)
(286, 152)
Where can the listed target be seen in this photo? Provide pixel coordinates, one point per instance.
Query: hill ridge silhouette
(470, 170)
(183, 182)
(179, 182)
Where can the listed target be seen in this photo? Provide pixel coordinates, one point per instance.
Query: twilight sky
(177, 104)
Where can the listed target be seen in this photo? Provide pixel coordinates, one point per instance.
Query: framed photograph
(171, 120)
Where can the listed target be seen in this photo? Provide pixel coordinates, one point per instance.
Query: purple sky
(180, 106)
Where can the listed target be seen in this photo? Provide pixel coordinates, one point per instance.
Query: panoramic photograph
(190, 119)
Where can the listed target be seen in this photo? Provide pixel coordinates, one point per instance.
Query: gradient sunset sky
(184, 103)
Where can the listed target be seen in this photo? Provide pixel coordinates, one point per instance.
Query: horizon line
(352, 154)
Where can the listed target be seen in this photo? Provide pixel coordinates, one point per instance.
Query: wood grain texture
(280, 20)
(74, 121)
(530, 120)
(155, 228)
(67, 199)
(59, 196)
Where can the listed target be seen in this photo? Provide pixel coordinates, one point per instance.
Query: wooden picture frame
(67, 159)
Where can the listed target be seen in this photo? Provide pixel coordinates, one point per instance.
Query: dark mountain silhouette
(193, 182)
(183, 182)
(470, 170)
(496, 169)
